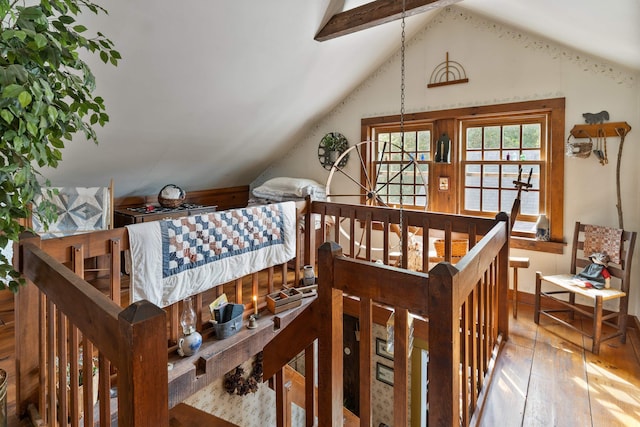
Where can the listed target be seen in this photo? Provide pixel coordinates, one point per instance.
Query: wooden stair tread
(183, 415)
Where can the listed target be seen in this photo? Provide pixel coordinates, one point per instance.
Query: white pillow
(284, 188)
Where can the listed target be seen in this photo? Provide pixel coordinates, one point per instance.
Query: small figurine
(596, 118)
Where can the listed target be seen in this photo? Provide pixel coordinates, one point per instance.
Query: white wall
(503, 65)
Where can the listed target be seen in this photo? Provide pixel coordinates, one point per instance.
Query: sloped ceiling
(209, 93)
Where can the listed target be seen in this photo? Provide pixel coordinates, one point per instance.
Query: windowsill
(531, 244)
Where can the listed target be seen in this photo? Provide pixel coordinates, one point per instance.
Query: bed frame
(461, 310)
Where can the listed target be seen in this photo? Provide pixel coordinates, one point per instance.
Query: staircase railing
(464, 304)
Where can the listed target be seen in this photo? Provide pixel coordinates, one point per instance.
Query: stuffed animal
(596, 275)
(596, 118)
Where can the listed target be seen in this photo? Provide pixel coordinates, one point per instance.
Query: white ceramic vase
(542, 228)
(189, 344)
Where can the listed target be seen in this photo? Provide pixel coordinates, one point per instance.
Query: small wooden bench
(183, 415)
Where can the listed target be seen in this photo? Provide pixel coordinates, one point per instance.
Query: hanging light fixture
(402, 148)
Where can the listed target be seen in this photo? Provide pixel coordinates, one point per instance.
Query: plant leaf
(7, 116)
(12, 91)
(24, 98)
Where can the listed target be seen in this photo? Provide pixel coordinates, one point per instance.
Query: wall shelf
(611, 129)
(607, 130)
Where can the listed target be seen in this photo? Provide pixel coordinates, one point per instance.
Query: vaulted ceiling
(208, 93)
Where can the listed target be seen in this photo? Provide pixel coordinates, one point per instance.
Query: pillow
(284, 188)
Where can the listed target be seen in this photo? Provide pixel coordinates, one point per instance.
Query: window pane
(530, 204)
(472, 199)
(492, 137)
(409, 142)
(510, 174)
(492, 155)
(424, 141)
(490, 176)
(490, 200)
(472, 175)
(531, 135)
(506, 200)
(395, 142)
(531, 154)
(474, 155)
(511, 136)
(474, 138)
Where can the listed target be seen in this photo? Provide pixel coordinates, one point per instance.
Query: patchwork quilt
(176, 258)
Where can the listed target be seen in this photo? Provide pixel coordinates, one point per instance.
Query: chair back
(618, 244)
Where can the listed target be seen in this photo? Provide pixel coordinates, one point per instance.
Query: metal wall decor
(448, 73)
(331, 146)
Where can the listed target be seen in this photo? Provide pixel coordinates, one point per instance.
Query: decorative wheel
(379, 184)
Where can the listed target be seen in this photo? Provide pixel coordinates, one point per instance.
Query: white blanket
(176, 258)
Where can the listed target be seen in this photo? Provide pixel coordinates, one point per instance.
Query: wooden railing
(56, 314)
(465, 306)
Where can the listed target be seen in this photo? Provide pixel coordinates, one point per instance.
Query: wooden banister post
(503, 281)
(27, 329)
(330, 339)
(444, 347)
(309, 235)
(143, 394)
(309, 385)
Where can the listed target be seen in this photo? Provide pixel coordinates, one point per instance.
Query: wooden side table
(517, 262)
(137, 214)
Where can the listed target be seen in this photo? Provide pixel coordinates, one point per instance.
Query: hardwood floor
(544, 377)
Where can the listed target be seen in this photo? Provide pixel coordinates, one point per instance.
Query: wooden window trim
(449, 120)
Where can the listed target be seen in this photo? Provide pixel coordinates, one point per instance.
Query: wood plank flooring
(544, 377)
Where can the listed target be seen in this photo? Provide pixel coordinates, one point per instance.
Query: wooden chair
(566, 284)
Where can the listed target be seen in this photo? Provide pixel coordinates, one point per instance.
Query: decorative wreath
(332, 142)
(234, 381)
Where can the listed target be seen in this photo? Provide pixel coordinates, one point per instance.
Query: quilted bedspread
(176, 258)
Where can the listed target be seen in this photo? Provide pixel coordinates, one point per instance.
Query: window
(495, 153)
(491, 147)
(395, 176)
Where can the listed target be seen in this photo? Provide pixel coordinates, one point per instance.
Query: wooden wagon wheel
(365, 186)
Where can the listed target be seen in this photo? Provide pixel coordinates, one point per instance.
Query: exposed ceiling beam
(375, 13)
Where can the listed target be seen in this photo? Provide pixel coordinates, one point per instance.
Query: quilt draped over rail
(175, 258)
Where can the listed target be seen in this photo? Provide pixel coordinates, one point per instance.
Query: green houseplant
(46, 96)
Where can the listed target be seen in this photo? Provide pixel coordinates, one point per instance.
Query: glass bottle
(188, 317)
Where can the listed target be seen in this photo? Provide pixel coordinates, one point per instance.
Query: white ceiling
(208, 93)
